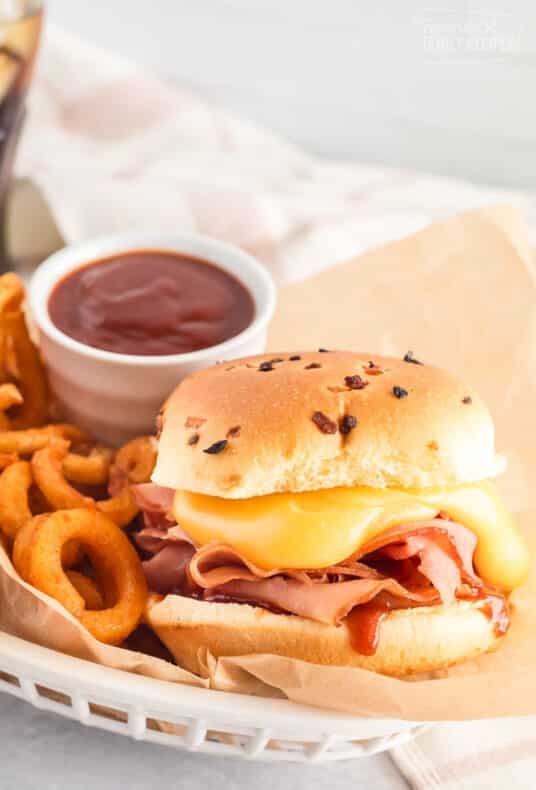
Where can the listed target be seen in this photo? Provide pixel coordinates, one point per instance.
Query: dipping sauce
(150, 302)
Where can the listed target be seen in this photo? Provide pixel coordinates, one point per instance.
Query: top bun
(303, 421)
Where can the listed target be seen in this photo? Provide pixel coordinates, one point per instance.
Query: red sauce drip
(363, 623)
(152, 303)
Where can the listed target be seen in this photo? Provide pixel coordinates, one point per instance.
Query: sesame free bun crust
(411, 640)
(295, 421)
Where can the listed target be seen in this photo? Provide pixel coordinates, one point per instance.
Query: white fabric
(113, 148)
(487, 755)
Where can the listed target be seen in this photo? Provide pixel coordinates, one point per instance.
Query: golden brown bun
(411, 640)
(441, 433)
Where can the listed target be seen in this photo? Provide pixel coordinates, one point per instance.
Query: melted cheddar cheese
(315, 529)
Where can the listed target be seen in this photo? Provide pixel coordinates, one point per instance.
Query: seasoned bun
(411, 640)
(303, 421)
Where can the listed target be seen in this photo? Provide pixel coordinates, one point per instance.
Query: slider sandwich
(334, 507)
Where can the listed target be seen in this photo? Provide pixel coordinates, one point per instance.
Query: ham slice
(462, 540)
(156, 503)
(216, 564)
(430, 562)
(437, 565)
(324, 602)
(443, 548)
(154, 499)
(423, 563)
(153, 539)
(172, 552)
(166, 571)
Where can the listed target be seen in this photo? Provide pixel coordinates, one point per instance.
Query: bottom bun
(411, 640)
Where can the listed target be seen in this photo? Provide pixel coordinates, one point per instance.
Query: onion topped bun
(304, 421)
(331, 506)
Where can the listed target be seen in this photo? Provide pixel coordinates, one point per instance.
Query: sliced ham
(216, 564)
(339, 573)
(325, 602)
(166, 571)
(156, 503)
(154, 499)
(153, 539)
(444, 550)
(462, 541)
(429, 562)
(422, 563)
(172, 552)
(152, 519)
(439, 567)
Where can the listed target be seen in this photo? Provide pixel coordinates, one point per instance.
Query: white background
(350, 78)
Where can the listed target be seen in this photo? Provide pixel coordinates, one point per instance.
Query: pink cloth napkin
(486, 755)
(113, 148)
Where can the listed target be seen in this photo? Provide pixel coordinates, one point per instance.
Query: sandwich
(330, 506)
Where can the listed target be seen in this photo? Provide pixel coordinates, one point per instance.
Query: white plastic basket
(214, 722)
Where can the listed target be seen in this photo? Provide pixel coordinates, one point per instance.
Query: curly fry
(33, 439)
(87, 589)
(92, 469)
(47, 467)
(23, 363)
(9, 362)
(15, 482)
(23, 544)
(15, 509)
(8, 458)
(122, 508)
(9, 396)
(134, 463)
(37, 556)
(73, 554)
(11, 292)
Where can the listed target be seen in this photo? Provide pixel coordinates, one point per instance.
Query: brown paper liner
(502, 683)
(462, 295)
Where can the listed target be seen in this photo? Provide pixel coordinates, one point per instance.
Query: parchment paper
(462, 295)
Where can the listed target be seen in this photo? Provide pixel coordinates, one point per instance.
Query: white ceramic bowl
(116, 396)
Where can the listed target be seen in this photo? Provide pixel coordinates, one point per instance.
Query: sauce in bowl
(151, 303)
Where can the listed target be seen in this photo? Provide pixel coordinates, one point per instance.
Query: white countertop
(45, 751)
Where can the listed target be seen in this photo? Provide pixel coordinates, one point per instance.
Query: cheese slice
(315, 529)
